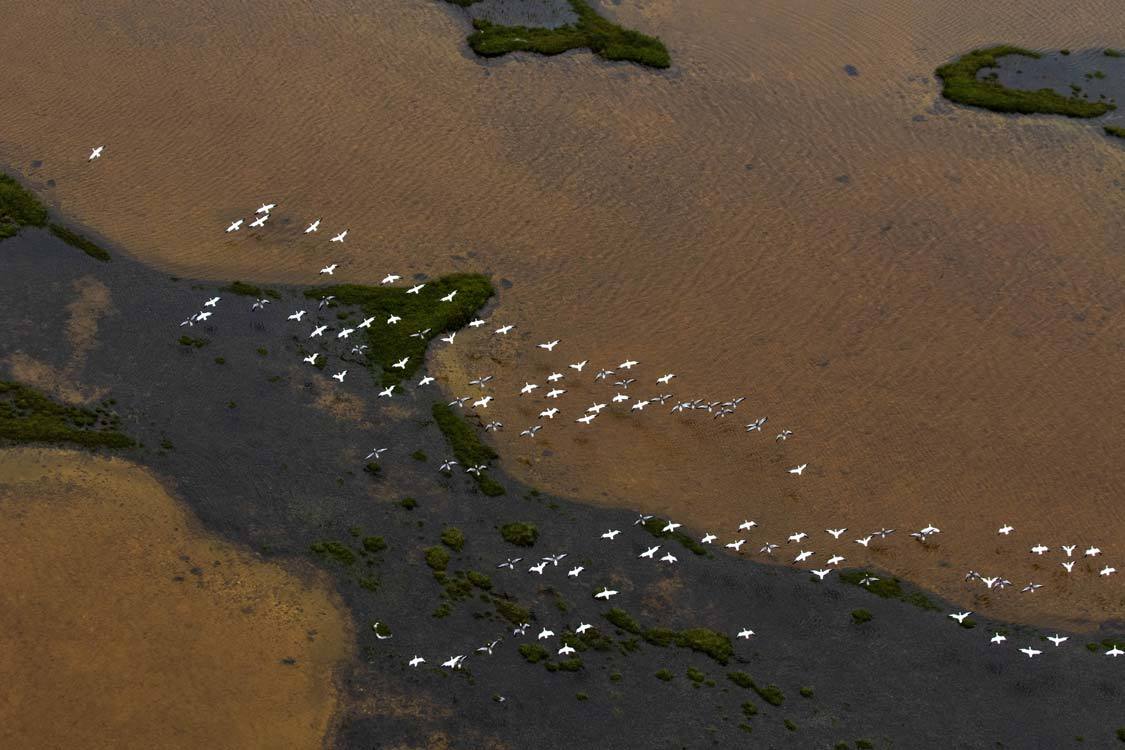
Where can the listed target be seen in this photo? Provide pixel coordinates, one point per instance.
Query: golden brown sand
(126, 626)
(928, 296)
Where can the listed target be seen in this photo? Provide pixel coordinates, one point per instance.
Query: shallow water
(928, 296)
(140, 630)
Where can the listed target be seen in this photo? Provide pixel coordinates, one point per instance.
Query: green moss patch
(706, 641)
(1115, 130)
(771, 694)
(76, 240)
(533, 652)
(889, 588)
(519, 533)
(467, 447)
(337, 551)
(511, 611)
(960, 84)
(861, 616)
(30, 416)
(250, 290)
(665, 675)
(453, 538)
(197, 343)
(419, 312)
(590, 31)
(655, 527)
(437, 558)
(374, 544)
(18, 208)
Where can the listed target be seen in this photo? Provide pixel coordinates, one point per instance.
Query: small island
(587, 30)
(961, 84)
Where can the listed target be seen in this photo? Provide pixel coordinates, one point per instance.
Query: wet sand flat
(125, 626)
(928, 296)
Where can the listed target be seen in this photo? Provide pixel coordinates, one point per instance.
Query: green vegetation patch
(337, 551)
(511, 611)
(453, 538)
(374, 544)
(695, 675)
(519, 533)
(533, 652)
(960, 84)
(249, 290)
(1115, 130)
(437, 558)
(655, 526)
(198, 343)
(591, 31)
(771, 694)
(467, 447)
(861, 616)
(76, 240)
(18, 208)
(749, 710)
(665, 675)
(30, 416)
(888, 588)
(706, 641)
(408, 503)
(1113, 53)
(419, 312)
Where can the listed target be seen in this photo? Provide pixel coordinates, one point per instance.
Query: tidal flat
(269, 454)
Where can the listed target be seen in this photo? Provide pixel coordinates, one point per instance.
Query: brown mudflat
(928, 296)
(125, 626)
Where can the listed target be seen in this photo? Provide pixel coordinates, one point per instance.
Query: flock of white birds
(620, 378)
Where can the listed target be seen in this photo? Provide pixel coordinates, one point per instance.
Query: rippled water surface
(930, 297)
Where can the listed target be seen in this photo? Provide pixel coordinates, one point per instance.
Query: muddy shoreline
(268, 453)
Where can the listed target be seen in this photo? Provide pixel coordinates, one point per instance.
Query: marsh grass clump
(74, 239)
(889, 588)
(806, 692)
(655, 526)
(573, 664)
(29, 416)
(337, 551)
(519, 533)
(591, 31)
(510, 610)
(533, 652)
(467, 446)
(18, 208)
(623, 620)
(665, 675)
(372, 468)
(419, 312)
(437, 558)
(198, 343)
(453, 538)
(250, 290)
(418, 455)
(1116, 131)
(741, 679)
(790, 725)
(408, 503)
(771, 694)
(960, 84)
(1110, 52)
(860, 616)
(480, 580)
(706, 641)
(749, 709)
(695, 675)
(374, 544)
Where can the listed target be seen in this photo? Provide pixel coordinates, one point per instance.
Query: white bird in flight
(416, 289)
(95, 153)
(798, 470)
(318, 331)
(960, 616)
(416, 661)
(1031, 652)
(340, 237)
(265, 208)
(550, 345)
(1057, 639)
(260, 221)
(1005, 529)
(235, 225)
(340, 376)
(297, 316)
(329, 269)
(311, 359)
(998, 638)
(312, 227)
(449, 297)
(745, 633)
(605, 593)
(611, 534)
(708, 538)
